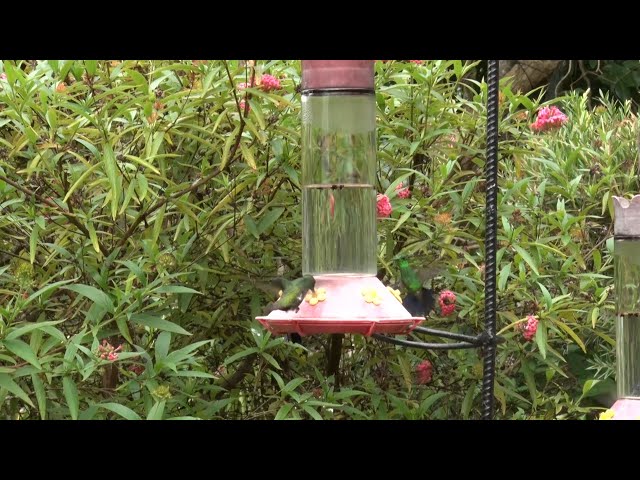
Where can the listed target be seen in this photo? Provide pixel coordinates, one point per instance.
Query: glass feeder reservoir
(339, 240)
(627, 288)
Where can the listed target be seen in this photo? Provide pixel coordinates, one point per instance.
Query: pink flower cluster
(3, 76)
(243, 104)
(106, 351)
(269, 82)
(530, 328)
(549, 118)
(417, 62)
(383, 205)
(402, 192)
(424, 372)
(447, 301)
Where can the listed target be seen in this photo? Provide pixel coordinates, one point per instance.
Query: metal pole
(491, 174)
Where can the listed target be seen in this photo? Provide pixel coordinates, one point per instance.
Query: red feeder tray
(344, 304)
(627, 409)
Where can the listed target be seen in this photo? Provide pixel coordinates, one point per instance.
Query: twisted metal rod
(491, 174)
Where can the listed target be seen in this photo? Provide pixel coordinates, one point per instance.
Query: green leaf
(541, 338)
(91, 67)
(312, 412)
(227, 148)
(41, 395)
(121, 410)
(269, 219)
(71, 395)
(44, 290)
(123, 328)
(530, 381)
(7, 383)
(92, 293)
(176, 289)
(111, 169)
(571, 333)
(18, 332)
(527, 258)
(283, 411)
(504, 276)
(431, 399)
(251, 226)
(23, 350)
(158, 223)
(467, 403)
(546, 295)
(93, 236)
(405, 216)
(162, 345)
(80, 180)
(191, 373)
(33, 243)
(239, 355)
(248, 156)
(157, 411)
(157, 322)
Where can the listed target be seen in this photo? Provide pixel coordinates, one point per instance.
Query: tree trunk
(527, 74)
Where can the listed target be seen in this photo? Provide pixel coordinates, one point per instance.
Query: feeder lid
(342, 304)
(327, 74)
(627, 216)
(626, 409)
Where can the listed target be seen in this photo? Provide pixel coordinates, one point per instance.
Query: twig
(143, 216)
(70, 216)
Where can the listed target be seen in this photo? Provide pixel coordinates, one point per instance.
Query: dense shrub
(143, 202)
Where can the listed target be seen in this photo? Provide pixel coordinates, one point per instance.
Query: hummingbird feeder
(339, 238)
(626, 228)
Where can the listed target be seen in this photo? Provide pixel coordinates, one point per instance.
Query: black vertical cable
(491, 179)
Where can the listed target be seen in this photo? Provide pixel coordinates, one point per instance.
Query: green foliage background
(139, 204)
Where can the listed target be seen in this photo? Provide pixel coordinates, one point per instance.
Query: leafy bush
(143, 202)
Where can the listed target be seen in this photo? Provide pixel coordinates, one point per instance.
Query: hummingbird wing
(281, 283)
(430, 272)
(273, 286)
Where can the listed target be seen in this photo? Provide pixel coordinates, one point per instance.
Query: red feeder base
(344, 304)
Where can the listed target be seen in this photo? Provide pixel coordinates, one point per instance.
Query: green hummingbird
(293, 293)
(419, 300)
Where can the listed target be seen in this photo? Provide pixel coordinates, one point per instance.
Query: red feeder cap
(324, 74)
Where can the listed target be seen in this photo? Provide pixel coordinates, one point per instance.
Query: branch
(243, 369)
(143, 216)
(70, 216)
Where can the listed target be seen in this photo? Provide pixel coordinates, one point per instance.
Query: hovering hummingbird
(419, 300)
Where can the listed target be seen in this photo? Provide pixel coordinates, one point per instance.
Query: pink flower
(3, 76)
(243, 103)
(269, 82)
(447, 301)
(424, 372)
(530, 328)
(383, 206)
(402, 192)
(107, 352)
(549, 118)
(242, 85)
(417, 62)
